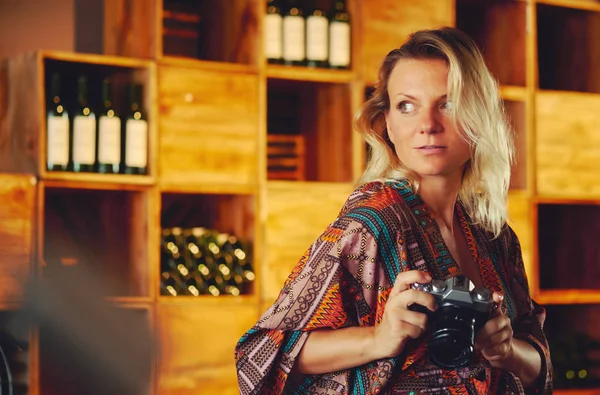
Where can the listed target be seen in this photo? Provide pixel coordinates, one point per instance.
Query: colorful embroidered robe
(345, 278)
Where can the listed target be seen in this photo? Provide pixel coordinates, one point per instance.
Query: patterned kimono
(344, 279)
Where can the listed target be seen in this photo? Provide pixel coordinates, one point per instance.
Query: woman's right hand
(399, 324)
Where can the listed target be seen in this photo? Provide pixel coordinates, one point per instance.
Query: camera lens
(451, 341)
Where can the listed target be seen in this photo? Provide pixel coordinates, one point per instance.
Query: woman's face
(419, 122)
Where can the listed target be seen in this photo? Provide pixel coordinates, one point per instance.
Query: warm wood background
(208, 149)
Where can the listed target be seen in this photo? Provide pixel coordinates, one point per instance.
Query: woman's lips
(432, 149)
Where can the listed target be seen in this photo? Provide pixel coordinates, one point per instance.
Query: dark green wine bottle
(109, 134)
(274, 32)
(135, 135)
(57, 128)
(83, 131)
(317, 38)
(340, 33)
(294, 34)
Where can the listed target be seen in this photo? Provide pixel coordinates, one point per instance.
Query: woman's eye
(406, 107)
(446, 106)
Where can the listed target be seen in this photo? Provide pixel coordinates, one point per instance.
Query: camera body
(462, 310)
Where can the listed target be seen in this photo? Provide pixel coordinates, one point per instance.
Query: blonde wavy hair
(478, 112)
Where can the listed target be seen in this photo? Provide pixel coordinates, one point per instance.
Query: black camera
(462, 311)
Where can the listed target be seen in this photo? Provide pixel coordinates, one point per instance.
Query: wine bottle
(294, 24)
(274, 32)
(109, 134)
(57, 128)
(83, 131)
(317, 34)
(339, 37)
(135, 135)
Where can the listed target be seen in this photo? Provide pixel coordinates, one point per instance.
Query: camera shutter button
(438, 286)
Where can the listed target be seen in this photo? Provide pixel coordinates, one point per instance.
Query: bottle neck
(82, 92)
(106, 94)
(55, 90)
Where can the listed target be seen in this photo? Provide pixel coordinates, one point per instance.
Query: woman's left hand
(495, 338)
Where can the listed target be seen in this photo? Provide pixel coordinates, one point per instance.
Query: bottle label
(109, 140)
(84, 140)
(58, 140)
(316, 38)
(136, 143)
(339, 44)
(293, 38)
(273, 39)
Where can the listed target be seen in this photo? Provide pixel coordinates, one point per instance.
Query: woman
(431, 205)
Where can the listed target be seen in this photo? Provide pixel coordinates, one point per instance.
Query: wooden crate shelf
(586, 5)
(310, 74)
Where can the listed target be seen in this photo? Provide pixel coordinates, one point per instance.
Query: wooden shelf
(296, 73)
(568, 296)
(95, 180)
(513, 93)
(106, 60)
(130, 301)
(586, 5)
(204, 300)
(209, 65)
(167, 186)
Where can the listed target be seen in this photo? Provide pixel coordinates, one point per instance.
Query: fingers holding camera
(399, 323)
(495, 338)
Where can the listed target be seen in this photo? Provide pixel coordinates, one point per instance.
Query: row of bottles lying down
(201, 261)
(576, 361)
(299, 33)
(83, 137)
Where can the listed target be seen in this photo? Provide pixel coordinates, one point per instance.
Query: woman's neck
(440, 195)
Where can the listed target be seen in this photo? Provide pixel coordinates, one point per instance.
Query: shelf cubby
(568, 248)
(88, 346)
(567, 55)
(98, 236)
(28, 83)
(319, 114)
(18, 358)
(572, 333)
(499, 28)
(203, 219)
(223, 31)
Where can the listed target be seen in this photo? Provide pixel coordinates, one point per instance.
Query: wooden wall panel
(296, 215)
(387, 24)
(568, 144)
(520, 218)
(208, 127)
(17, 226)
(198, 338)
(130, 28)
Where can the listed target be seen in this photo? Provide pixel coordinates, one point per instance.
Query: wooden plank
(96, 178)
(569, 296)
(17, 232)
(309, 74)
(129, 28)
(297, 213)
(587, 5)
(106, 60)
(387, 25)
(568, 144)
(516, 111)
(20, 144)
(215, 325)
(520, 219)
(208, 127)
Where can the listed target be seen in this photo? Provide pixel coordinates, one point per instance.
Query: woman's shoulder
(375, 205)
